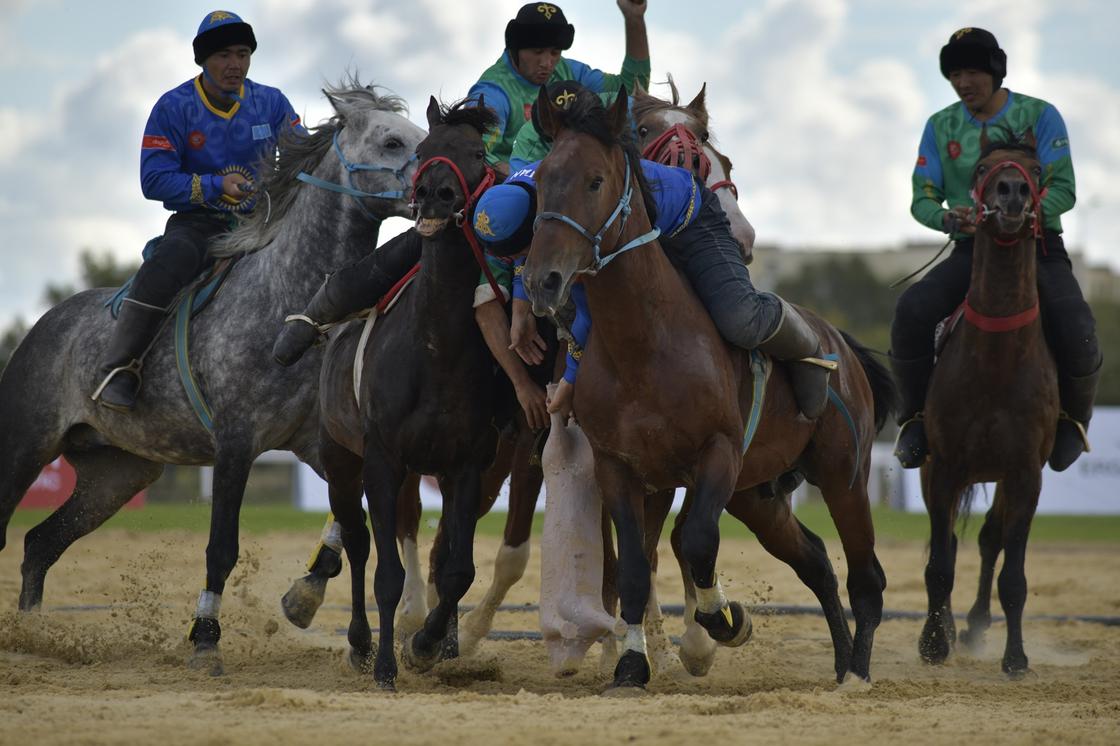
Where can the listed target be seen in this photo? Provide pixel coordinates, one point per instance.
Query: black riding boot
(795, 343)
(1072, 438)
(135, 328)
(912, 377)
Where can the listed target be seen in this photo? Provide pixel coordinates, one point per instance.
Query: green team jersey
(950, 149)
(511, 96)
(530, 147)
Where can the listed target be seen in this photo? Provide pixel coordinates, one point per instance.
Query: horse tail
(884, 393)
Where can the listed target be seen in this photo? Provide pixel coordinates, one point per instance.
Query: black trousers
(179, 256)
(1067, 319)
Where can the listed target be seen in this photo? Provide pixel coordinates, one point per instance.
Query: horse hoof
(389, 685)
(697, 665)
(633, 670)
(1016, 668)
(303, 599)
(208, 660)
(973, 639)
(853, 683)
(730, 626)
(418, 661)
(361, 662)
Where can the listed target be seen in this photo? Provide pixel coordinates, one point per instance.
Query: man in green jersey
(950, 148)
(535, 41)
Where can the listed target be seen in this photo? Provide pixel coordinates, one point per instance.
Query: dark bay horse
(992, 405)
(665, 401)
(428, 394)
(298, 234)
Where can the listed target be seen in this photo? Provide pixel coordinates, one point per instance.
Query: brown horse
(665, 401)
(992, 405)
(680, 136)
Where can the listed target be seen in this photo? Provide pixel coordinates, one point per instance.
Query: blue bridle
(352, 190)
(622, 208)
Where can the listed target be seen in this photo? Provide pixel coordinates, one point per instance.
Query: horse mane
(467, 111)
(277, 186)
(586, 114)
(1007, 139)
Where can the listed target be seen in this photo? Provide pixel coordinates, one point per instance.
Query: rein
(352, 190)
(461, 221)
(622, 208)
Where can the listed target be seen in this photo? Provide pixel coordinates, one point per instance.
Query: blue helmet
(503, 218)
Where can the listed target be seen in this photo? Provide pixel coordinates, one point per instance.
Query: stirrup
(132, 367)
(821, 362)
(918, 420)
(320, 328)
(1080, 429)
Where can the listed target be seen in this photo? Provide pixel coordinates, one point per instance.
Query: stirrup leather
(134, 368)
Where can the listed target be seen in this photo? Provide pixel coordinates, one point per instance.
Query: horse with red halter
(665, 401)
(680, 136)
(992, 405)
(428, 396)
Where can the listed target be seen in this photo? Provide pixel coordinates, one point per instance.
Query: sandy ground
(115, 672)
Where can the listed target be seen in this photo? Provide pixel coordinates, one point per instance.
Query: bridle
(679, 146)
(470, 197)
(352, 190)
(998, 324)
(622, 208)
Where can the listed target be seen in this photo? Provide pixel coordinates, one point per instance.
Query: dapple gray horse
(298, 233)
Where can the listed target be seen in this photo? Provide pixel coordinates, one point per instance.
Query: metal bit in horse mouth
(428, 227)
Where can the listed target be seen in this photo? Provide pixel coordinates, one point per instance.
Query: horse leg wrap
(326, 560)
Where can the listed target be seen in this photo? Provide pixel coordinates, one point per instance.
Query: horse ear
(639, 89)
(698, 105)
(434, 117)
(546, 113)
(1029, 139)
(618, 117)
(983, 138)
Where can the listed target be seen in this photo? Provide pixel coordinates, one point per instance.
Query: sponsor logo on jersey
(156, 142)
(528, 112)
(1060, 142)
(262, 131)
(196, 139)
(921, 160)
(954, 149)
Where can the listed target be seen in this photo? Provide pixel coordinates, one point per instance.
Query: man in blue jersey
(535, 41)
(201, 145)
(975, 67)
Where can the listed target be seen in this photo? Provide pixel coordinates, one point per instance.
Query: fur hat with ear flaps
(974, 49)
(539, 26)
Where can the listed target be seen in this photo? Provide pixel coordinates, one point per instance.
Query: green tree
(844, 291)
(1107, 314)
(96, 270)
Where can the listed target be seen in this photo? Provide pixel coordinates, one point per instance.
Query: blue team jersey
(189, 145)
(677, 196)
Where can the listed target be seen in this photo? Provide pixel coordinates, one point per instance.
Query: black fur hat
(539, 26)
(221, 29)
(977, 49)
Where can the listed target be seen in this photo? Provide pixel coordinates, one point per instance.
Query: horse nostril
(1024, 191)
(1002, 189)
(445, 194)
(421, 192)
(552, 282)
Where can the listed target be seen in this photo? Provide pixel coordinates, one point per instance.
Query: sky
(820, 104)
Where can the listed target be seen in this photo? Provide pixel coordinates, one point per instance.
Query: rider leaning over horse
(201, 144)
(947, 157)
(535, 41)
(697, 237)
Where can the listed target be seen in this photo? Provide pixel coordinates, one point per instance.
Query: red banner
(55, 483)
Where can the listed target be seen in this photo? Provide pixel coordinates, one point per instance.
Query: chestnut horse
(665, 402)
(680, 136)
(992, 405)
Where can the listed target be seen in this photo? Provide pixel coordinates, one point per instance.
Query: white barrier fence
(1090, 486)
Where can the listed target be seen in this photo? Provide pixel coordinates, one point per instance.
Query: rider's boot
(336, 298)
(795, 343)
(912, 377)
(1072, 438)
(135, 327)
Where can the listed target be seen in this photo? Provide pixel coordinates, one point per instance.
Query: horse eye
(981, 170)
(704, 136)
(596, 183)
(480, 154)
(1037, 170)
(393, 144)
(643, 131)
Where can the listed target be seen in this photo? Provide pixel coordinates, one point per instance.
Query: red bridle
(679, 146)
(1019, 320)
(461, 221)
